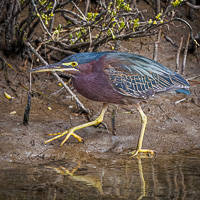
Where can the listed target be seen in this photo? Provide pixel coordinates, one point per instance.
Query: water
(114, 177)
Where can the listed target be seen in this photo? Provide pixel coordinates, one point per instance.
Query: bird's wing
(140, 77)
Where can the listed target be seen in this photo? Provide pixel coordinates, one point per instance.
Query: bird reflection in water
(97, 180)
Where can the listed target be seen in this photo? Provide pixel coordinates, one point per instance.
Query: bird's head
(72, 64)
(62, 66)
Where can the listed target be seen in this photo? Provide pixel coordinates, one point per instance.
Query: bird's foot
(68, 133)
(145, 152)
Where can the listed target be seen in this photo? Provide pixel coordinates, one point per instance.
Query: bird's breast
(96, 87)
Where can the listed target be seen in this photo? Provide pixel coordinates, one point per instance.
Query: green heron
(117, 78)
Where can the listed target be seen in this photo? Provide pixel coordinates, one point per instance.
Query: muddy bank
(171, 128)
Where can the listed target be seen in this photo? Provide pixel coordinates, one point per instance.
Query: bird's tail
(186, 90)
(183, 91)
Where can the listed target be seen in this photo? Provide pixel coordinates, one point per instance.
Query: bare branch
(59, 79)
(185, 54)
(155, 53)
(67, 52)
(178, 55)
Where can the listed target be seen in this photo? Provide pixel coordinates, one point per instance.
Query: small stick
(86, 7)
(27, 109)
(59, 79)
(194, 77)
(170, 41)
(178, 55)
(67, 52)
(133, 4)
(192, 5)
(155, 53)
(28, 105)
(179, 101)
(185, 54)
(157, 6)
(113, 120)
(53, 17)
(79, 10)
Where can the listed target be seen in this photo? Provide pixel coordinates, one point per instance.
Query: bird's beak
(57, 67)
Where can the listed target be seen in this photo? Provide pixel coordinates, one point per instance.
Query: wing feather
(140, 77)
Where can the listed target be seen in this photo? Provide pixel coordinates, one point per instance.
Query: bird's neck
(86, 68)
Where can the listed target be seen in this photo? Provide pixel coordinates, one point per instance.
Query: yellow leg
(71, 131)
(139, 145)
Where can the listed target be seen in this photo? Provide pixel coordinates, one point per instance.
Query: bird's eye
(74, 64)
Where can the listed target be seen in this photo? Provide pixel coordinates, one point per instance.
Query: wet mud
(171, 128)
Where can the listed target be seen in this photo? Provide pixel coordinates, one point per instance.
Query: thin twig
(192, 5)
(185, 54)
(133, 4)
(113, 120)
(90, 35)
(178, 55)
(28, 105)
(155, 53)
(67, 52)
(189, 26)
(179, 101)
(86, 7)
(170, 41)
(59, 79)
(53, 17)
(194, 77)
(38, 14)
(157, 6)
(79, 10)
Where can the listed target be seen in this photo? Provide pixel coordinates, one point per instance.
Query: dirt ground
(172, 127)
